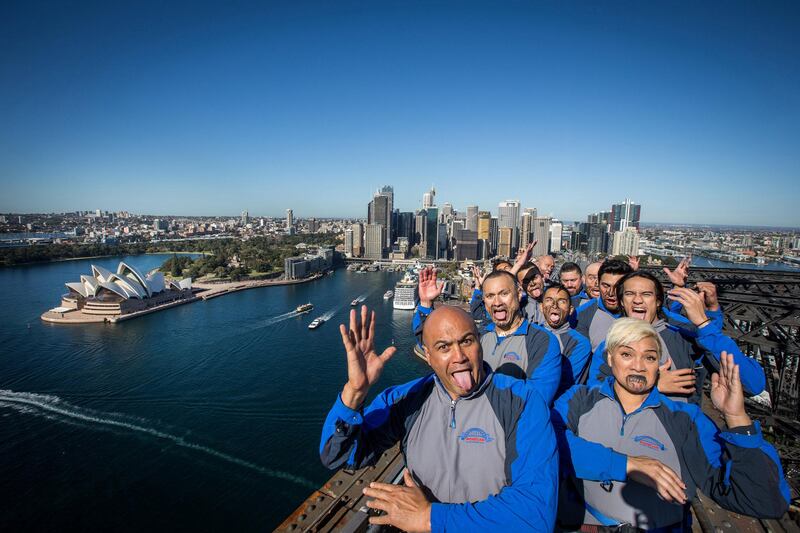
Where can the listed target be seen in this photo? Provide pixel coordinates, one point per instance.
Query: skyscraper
(289, 221)
(348, 242)
(245, 218)
(472, 218)
(505, 241)
(508, 214)
(431, 233)
(429, 199)
(625, 215)
(391, 230)
(526, 232)
(541, 234)
(556, 229)
(374, 237)
(379, 211)
(358, 239)
(626, 242)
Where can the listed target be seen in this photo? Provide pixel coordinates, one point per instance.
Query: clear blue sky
(690, 108)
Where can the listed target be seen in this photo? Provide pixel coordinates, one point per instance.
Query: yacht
(358, 300)
(405, 293)
(317, 322)
(304, 308)
(388, 294)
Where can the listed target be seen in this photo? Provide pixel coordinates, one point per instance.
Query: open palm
(429, 287)
(364, 366)
(726, 387)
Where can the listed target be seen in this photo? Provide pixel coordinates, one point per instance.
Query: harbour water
(202, 417)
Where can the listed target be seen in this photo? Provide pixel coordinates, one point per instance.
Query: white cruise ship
(405, 293)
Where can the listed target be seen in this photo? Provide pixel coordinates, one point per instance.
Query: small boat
(304, 308)
(317, 322)
(388, 294)
(354, 303)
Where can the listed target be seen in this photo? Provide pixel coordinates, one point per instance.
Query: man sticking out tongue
(479, 447)
(511, 343)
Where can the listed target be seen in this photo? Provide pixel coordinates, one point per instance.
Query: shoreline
(207, 291)
(64, 259)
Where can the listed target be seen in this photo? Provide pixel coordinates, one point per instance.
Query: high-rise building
(505, 241)
(405, 226)
(626, 242)
(379, 212)
(472, 218)
(420, 221)
(391, 230)
(348, 242)
(289, 221)
(446, 213)
(556, 230)
(508, 214)
(431, 233)
(493, 235)
(465, 245)
(484, 225)
(245, 218)
(541, 234)
(358, 239)
(526, 231)
(313, 226)
(597, 238)
(374, 237)
(429, 199)
(625, 215)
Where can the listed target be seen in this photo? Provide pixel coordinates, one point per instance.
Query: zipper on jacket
(452, 414)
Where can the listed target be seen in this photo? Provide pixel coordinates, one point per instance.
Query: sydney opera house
(111, 294)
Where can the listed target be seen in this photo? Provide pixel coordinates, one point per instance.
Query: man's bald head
(443, 318)
(453, 349)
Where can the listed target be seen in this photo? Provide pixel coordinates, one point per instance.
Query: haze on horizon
(690, 109)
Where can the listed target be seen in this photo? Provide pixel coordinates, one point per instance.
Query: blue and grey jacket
(488, 460)
(580, 298)
(698, 348)
(736, 467)
(593, 320)
(530, 352)
(576, 352)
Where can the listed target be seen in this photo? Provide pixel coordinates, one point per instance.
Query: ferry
(357, 301)
(405, 293)
(317, 322)
(387, 295)
(304, 308)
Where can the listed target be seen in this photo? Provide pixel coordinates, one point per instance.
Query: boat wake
(55, 408)
(276, 319)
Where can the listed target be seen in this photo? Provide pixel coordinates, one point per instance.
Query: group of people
(570, 405)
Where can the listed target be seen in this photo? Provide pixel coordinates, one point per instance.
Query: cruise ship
(405, 293)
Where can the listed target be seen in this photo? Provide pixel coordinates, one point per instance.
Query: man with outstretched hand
(479, 448)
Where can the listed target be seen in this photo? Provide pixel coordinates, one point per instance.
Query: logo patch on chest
(476, 436)
(512, 356)
(650, 442)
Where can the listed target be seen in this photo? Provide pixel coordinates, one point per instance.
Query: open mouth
(500, 314)
(463, 379)
(639, 312)
(554, 316)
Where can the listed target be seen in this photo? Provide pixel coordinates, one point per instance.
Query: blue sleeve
(357, 439)
(477, 309)
(737, 468)
(579, 457)
(544, 370)
(715, 342)
(598, 368)
(529, 502)
(582, 319)
(579, 355)
(420, 314)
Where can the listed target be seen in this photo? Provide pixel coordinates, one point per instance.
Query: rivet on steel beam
(301, 518)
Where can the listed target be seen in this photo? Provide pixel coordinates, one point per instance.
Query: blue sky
(692, 109)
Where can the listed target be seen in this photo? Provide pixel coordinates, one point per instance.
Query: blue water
(704, 262)
(203, 417)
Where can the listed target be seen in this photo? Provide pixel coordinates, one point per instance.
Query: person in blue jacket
(571, 277)
(638, 457)
(595, 317)
(556, 310)
(512, 344)
(480, 451)
(691, 348)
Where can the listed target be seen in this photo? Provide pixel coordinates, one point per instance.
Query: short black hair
(571, 267)
(620, 288)
(499, 273)
(560, 288)
(614, 266)
(500, 262)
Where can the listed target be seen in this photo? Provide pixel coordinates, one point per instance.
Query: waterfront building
(431, 234)
(303, 266)
(374, 238)
(348, 242)
(107, 293)
(405, 226)
(358, 239)
(420, 219)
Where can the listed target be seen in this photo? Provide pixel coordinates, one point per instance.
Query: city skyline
(567, 108)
